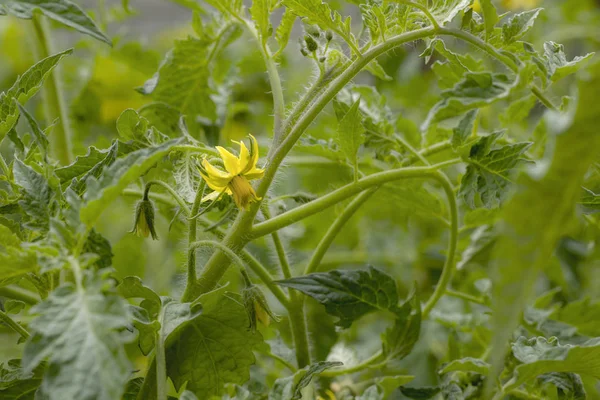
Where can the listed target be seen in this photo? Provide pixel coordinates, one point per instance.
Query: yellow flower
(234, 181)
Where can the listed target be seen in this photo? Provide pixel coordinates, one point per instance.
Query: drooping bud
(257, 307)
(144, 218)
(329, 36)
(311, 44)
(313, 31)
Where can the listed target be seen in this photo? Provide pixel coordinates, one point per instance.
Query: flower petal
(231, 162)
(214, 175)
(254, 173)
(245, 158)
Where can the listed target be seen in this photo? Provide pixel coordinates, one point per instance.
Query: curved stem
(254, 265)
(281, 360)
(54, 102)
(335, 228)
(171, 191)
(414, 152)
(14, 325)
(450, 264)
(279, 249)
(17, 293)
(192, 233)
(356, 368)
(466, 296)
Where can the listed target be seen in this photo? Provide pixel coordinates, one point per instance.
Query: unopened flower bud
(257, 307)
(311, 44)
(313, 31)
(144, 219)
(329, 36)
(304, 51)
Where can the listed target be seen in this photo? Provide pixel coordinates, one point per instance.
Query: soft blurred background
(397, 230)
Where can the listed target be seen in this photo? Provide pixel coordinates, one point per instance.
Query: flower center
(243, 193)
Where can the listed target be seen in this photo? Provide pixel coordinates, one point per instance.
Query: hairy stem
(17, 293)
(171, 191)
(54, 103)
(192, 233)
(356, 368)
(14, 325)
(161, 362)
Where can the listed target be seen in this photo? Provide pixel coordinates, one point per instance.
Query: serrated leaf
(26, 86)
(569, 384)
(65, 12)
(38, 136)
(557, 64)
(147, 328)
(35, 195)
(467, 364)
(316, 12)
(444, 11)
(131, 126)
(477, 89)
(81, 165)
(14, 261)
(518, 25)
(529, 235)
(490, 17)
(348, 294)
(76, 329)
(464, 130)
(482, 240)
(16, 384)
(582, 314)
(101, 192)
(399, 340)
(260, 12)
(489, 171)
(213, 349)
(186, 176)
(232, 7)
(284, 30)
(132, 287)
(541, 356)
(351, 134)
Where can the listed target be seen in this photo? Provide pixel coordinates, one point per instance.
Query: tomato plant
(372, 199)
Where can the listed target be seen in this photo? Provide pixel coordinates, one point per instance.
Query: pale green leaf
(26, 86)
(590, 202)
(101, 192)
(187, 395)
(290, 388)
(529, 234)
(35, 195)
(444, 11)
(230, 7)
(477, 89)
(518, 25)
(132, 287)
(582, 314)
(38, 135)
(78, 331)
(463, 132)
(348, 294)
(480, 245)
(284, 30)
(399, 339)
(16, 384)
(489, 172)
(351, 134)
(260, 12)
(14, 261)
(82, 165)
(215, 348)
(490, 17)
(540, 356)
(65, 12)
(467, 364)
(557, 64)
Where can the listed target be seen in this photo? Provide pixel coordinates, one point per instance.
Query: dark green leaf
(590, 202)
(399, 340)
(423, 393)
(348, 294)
(65, 12)
(290, 388)
(16, 384)
(38, 136)
(351, 134)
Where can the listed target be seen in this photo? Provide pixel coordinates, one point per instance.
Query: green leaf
(463, 132)
(444, 11)
(590, 202)
(260, 12)
(582, 314)
(290, 388)
(557, 64)
(529, 236)
(490, 17)
(467, 364)
(14, 261)
(131, 126)
(147, 328)
(16, 384)
(35, 195)
(477, 89)
(187, 395)
(399, 340)
(186, 176)
(541, 356)
(26, 86)
(348, 294)
(213, 349)
(489, 171)
(38, 136)
(482, 240)
(422, 393)
(351, 134)
(103, 191)
(231, 7)
(65, 12)
(132, 287)
(570, 385)
(518, 25)
(316, 12)
(82, 165)
(77, 330)
(284, 30)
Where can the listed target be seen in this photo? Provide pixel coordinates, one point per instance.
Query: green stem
(17, 293)
(335, 228)
(192, 233)
(161, 362)
(14, 325)
(254, 265)
(282, 361)
(279, 249)
(171, 191)
(466, 297)
(356, 368)
(54, 102)
(450, 264)
(411, 149)
(423, 8)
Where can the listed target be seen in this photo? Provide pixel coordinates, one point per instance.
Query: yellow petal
(215, 175)
(231, 162)
(245, 160)
(254, 173)
(253, 151)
